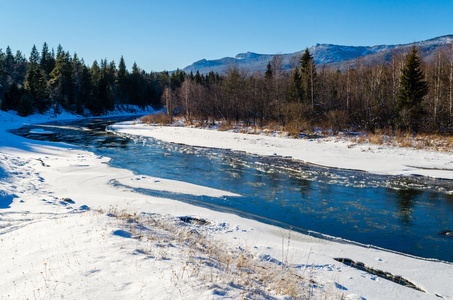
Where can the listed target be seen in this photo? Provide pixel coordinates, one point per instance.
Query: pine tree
(110, 73)
(2, 56)
(20, 67)
(47, 62)
(176, 79)
(122, 81)
(105, 96)
(35, 83)
(2, 73)
(77, 66)
(295, 88)
(25, 105)
(11, 97)
(268, 74)
(197, 77)
(8, 62)
(34, 56)
(136, 86)
(95, 73)
(62, 80)
(413, 88)
(86, 88)
(308, 73)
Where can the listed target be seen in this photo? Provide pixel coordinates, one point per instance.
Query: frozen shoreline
(329, 153)
(84, 257)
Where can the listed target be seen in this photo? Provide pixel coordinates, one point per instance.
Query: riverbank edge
(297, 241)
(330, 153)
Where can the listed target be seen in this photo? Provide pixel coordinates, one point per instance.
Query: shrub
(159, 118)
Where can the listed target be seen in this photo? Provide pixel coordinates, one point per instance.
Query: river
(409, 215)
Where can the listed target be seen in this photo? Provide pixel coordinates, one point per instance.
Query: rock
(448, 233)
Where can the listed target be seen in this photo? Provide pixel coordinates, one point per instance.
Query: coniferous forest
(62, 81)
(404, 93)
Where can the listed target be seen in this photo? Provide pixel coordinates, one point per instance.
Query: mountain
(334, 56)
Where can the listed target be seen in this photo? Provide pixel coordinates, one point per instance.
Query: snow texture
(61, 237)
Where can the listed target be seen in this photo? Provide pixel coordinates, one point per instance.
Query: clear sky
(165, 35)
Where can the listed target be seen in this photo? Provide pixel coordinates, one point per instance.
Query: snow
(68, 232)
(41, 131)
(331, 153)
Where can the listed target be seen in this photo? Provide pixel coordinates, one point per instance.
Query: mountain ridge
(336, 56)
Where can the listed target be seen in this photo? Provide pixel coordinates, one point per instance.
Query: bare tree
(169, 99)
(294, 60)
(451, 85)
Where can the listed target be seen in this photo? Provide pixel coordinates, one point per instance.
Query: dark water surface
(409, 215)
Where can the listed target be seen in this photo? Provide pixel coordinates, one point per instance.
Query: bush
(159, 118)
(338, 120)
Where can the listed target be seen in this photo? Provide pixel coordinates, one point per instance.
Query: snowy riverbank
(63, 234)
(331, 153)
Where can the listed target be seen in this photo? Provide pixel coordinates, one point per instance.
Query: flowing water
(410, 215)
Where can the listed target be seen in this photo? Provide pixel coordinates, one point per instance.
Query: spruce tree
(95, 73)
(34, 56)
(105, 96)
(35, 83)
(295, 87)
(197, 77)
(62, 80)
(11, 97)
(86, 87)
(308, 73)
(20, 67)
(136, 85)
(8, 61)
(2, 73)
(268, 73)
(1, 61)
(47, 62)
(122, 81)
(25, 105)
(413, 88)
(77, 66)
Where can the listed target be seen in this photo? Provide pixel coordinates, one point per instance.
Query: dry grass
(293, 129)
(399, 139)
(159, 118)
(435, 142)
(225, 126)
(213, 261)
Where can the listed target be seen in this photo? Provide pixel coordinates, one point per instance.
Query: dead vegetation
(159, 118)
(212, 261)
(393, 138)
(423, 141)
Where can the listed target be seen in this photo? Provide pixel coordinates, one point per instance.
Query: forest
(404, 93)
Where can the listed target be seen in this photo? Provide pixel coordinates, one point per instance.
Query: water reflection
(406, 200)
(396, 213)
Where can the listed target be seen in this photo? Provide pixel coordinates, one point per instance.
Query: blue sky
(165, 35)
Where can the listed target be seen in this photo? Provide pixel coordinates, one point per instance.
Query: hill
(335, 56)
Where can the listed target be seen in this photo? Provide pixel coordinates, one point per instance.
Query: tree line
(62, 81)
(404, 93)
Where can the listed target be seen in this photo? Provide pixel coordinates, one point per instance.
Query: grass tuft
(212, 261)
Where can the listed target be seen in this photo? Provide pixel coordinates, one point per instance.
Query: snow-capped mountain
(332, 55)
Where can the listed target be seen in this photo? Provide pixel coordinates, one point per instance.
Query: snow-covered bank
(52, 247)
(330, 153)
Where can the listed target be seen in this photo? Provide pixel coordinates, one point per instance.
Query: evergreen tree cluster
(60, 80)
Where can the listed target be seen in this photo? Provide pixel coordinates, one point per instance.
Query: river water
(409, 215)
